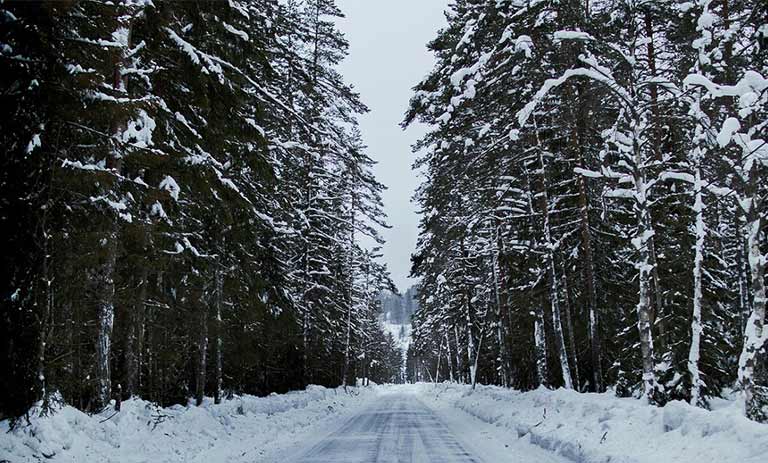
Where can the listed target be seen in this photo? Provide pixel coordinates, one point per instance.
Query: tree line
(184, 191)
(595, 198)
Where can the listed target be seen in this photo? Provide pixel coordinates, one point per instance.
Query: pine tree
(569, 140)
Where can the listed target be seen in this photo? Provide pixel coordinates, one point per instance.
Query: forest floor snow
(602, 428)
(244, 429)
(497, 424)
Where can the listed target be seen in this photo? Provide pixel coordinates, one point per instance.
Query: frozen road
(397, 428)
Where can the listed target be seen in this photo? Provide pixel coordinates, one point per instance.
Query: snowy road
(398, 428)
(409, 424)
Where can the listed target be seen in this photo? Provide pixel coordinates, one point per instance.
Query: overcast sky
(388, 56)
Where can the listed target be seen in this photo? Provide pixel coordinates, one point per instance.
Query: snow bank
(243, 429)
(601, 428)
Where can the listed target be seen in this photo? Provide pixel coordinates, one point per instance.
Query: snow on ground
(487, 442)
(401, 427)
(245, 429)
(601, 428)
(494, 424)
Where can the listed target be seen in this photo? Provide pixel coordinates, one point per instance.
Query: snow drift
(601, 428)
(583, 428)
(242, 429)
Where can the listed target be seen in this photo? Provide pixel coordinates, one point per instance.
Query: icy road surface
(397, 428)
(410, 424)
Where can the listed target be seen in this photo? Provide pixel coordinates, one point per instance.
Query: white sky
(388, 57)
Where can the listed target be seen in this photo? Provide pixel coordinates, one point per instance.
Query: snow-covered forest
(184, 191)
(194, 266)
(398, 309)
(594, 201)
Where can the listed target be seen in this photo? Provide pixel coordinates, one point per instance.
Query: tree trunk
(694, 353)
(756, 397)
(500, 308)
(558, 326)
(218, 298)
(571, 335)
(103, 288)
(102, 277)
(554, 282)
(644, 264)
(657, 312)
(202, 353)
(347, 347)
(589, 280)
(134, 339)
(745, 303)
(657, 315)
(437, 369)
(459, 368)
(449, 357)
(540, 344)
(44, 321)
(477, 359)
(588, 261)
(470, 340)
(350, 296)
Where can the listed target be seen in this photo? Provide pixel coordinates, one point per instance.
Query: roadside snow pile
(243, 429)
(601, 428)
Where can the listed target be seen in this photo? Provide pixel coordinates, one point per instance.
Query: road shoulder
(491, 443)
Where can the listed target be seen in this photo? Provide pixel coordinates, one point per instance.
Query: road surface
(397, 428)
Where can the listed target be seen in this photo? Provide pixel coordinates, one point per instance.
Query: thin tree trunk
(657, 315)
(571, 335)
(477, 359)
(590, 282)
(745, 305)
(754, 336)
(449, 357)
(588, 261)
(347, 347)
(539, 334)
(437, 369)
(218, 298)
(468, 319)
(104, 288)
(554, 282)
(470, 340)
(429, 373)
(350, 296)
(500, 309)
(642, 244)
(459, 369)
(45, 320)
(694, 353)
(558, 326)
(540, 345)
(134, 338)
(202, 353)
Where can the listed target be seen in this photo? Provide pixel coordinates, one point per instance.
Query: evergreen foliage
(594, 198)
(185, 193)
